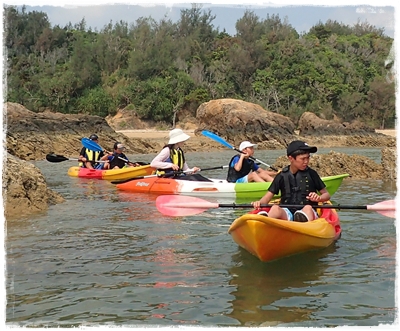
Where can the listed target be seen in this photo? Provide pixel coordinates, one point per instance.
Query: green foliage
(159, 68)
(96, 102)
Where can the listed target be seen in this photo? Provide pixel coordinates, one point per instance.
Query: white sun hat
(177, 136)
(246, 144)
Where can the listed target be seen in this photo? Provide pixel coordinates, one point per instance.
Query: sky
(302, 15)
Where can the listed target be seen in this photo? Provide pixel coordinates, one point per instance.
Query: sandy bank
(163, 135)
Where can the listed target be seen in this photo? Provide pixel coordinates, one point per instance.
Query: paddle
(60, 158)
(164, 175)
(218, 139)
(178, 205)
(90, 144)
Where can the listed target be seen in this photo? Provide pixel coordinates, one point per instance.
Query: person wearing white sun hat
(244, 170)
(171, 158)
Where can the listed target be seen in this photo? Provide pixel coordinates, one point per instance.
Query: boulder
(237, 120)
(24, 189)
(30, 136)
(335, 163)
(311, 124)
(389, 158)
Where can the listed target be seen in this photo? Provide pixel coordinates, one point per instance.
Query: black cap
(94, 137)
(299, 145)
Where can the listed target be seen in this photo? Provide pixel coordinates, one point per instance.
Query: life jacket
(116, 161)
(296, 189)
(91, 156)
(176, 156)
(233, 175)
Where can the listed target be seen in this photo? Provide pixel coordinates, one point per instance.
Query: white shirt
(159, 161)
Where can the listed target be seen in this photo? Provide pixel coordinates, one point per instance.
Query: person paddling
(88, 158)
(171, 158)
(299, 185)
(242, 169)
(117, 160)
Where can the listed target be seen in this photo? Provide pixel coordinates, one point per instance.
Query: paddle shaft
(225, 143)
(60, 158)
(233, 205)
(257, 160)
(90, 144)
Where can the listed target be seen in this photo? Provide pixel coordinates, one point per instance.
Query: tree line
(157, 69)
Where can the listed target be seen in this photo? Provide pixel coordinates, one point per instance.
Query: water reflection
(263, 289)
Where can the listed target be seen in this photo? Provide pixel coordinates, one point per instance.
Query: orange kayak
(270, 239)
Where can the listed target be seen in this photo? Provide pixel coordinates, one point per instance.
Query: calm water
(106, 257)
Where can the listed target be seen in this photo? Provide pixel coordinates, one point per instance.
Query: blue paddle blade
(218, 139)
(90, 144)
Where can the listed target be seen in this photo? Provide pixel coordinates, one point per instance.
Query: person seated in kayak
(117, 160)
(88, 158)
(299, 185)
(244, 170)
(171, 158)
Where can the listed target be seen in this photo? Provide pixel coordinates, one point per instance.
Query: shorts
(243, 180)
(290, 214)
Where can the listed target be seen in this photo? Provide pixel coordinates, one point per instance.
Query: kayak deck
(214, 187)
(112, 174)
(270, 239)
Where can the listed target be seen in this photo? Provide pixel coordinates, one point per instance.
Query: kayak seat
(194, 177)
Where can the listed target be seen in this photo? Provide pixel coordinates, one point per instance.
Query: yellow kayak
(270, 239)
(112, 174)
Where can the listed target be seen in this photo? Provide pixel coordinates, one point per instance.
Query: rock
(334, 163)
(311, 124)
(126, 119)
(389, 163)
(30, 136)
(24, 189)
(236, 120)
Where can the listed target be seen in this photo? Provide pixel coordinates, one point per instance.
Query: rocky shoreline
(30, 136)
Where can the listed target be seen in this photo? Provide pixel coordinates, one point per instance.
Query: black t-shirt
(116, 161)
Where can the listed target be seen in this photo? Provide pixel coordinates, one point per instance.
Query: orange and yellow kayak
(270, 239)
(112, 174)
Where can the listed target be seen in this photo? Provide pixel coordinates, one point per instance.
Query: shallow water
(106, 257)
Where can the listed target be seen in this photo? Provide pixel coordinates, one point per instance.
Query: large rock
(389, 158)
(311, 124)
(237, 120)
(24, 189)
(334, 163)
(30, 136)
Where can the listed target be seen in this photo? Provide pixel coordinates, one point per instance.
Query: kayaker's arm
(325, 196)
(159, 161)
(239, 163)
(264, 200)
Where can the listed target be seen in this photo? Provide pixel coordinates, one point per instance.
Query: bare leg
(277, 212)
(308, 210)
(88, 165)
(254, 177)
(265, 176)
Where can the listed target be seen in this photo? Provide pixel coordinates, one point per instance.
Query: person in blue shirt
(117, 160)
(244, 170)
